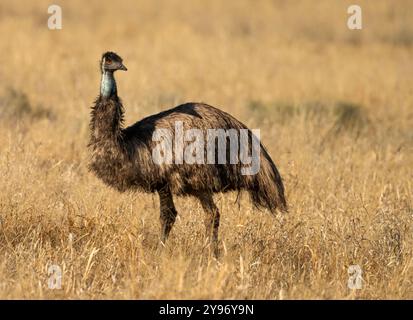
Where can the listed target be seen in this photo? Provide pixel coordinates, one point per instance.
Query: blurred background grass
(334, 107)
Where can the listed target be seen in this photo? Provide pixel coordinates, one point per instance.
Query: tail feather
(268, 189)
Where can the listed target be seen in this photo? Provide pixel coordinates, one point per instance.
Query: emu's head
(111, 62)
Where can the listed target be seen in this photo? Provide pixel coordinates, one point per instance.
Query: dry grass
(334, 107)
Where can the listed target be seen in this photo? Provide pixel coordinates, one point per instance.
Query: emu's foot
(213, 248)
(162, 245)
(216, 252)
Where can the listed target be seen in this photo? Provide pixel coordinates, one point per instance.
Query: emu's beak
(122, 67)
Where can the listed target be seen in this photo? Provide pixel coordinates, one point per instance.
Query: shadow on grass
(342, 117)
(15, 105)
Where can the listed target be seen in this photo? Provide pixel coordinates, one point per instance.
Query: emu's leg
(168, 212)
(211, 220)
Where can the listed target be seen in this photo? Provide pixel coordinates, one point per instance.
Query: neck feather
(106, 119)
(108, 85)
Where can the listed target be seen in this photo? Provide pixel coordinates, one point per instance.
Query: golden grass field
(335, 110)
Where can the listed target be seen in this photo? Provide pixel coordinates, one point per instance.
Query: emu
(123, 157)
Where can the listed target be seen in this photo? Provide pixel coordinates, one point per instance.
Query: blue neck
(108, 84)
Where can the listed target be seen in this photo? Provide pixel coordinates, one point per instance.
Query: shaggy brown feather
(122, 158)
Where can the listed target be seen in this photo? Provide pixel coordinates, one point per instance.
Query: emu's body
(122, 158)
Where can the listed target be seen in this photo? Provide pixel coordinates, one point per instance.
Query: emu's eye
(108, 61)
